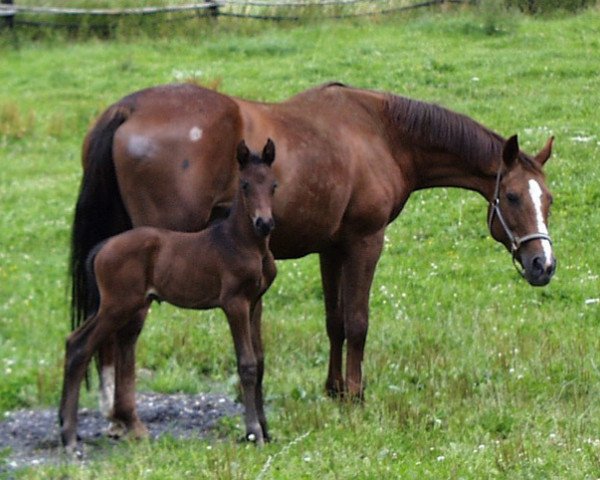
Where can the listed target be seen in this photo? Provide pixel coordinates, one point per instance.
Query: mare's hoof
(335, 389)
(138, 431)
(119, 430)
(116, 430)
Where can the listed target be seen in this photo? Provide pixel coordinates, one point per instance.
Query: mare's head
(257, 185)
(519, 209)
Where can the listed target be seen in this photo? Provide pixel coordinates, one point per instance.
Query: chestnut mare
(228, 265)
(347, 161)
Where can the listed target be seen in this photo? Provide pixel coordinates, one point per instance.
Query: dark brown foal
(228, 265)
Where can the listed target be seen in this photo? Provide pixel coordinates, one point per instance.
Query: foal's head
(257, 185)
(519, 211)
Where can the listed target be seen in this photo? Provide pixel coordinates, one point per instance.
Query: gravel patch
(31, 437)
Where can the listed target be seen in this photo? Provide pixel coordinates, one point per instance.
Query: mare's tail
(99, 212)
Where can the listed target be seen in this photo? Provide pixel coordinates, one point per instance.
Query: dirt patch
(31, 437)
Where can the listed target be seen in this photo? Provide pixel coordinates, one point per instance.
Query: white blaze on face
(535, 191)
(107, 394)
(195, 134)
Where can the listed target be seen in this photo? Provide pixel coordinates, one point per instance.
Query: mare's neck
(444, 169)
(441, 148)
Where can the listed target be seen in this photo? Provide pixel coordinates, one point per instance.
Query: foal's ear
(268, 154)
(243, 154)
(510, 152)
(544, 154)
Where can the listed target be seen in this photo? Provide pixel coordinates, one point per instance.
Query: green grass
(471, 373)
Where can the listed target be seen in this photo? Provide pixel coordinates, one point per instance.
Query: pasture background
(471, 373)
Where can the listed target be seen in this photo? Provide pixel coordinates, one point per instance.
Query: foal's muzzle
(264, 226)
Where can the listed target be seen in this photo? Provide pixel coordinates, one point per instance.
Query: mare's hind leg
(331, 270)
(238, 316)
(358, 271)
(124, 412)
(257, 343)
(105, 363)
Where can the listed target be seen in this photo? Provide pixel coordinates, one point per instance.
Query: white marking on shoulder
(195, 134)
(535, 191)
(107, 392)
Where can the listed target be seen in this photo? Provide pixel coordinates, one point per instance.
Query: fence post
(213, 10)
(9, 18)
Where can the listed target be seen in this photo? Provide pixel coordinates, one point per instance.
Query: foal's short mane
(435, 127)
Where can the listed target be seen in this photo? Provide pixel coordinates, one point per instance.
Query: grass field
(471, 373)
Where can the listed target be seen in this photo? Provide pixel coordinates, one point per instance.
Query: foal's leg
(124, 412)
(257, 344)
(358, 271)
(238, 316)
(81, 345)
(331, 270)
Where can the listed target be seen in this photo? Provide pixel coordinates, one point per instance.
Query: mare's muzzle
(537, 269)
(264, 226)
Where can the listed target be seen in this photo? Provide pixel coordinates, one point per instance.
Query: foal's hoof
(74, 452)
(257, 440)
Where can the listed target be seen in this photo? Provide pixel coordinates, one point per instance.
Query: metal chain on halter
(515, 241)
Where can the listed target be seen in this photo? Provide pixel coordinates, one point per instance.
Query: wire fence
(54, 16)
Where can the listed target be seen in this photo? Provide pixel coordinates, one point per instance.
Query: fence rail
(16, 9)
(255, 9)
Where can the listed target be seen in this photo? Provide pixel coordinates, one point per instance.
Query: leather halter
(515, 241)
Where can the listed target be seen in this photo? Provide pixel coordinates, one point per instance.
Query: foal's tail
(99, 212)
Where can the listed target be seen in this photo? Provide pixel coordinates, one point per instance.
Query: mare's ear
(268, 154)
(544, 154)
(510, 152)
(243, 154)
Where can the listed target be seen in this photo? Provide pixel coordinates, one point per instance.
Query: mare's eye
(275, 185)
(512, 198)
(245, 186)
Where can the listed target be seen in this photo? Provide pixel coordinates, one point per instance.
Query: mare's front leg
(358, 271)
(238, 316)
(124, 414)
(331, 272)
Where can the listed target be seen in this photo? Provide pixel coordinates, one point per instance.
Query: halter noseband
(515, 241)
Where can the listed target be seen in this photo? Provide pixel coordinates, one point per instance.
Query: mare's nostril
(537, 266)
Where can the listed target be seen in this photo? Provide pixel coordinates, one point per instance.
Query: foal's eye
(245, 186)
(274, 187)
(512, 198)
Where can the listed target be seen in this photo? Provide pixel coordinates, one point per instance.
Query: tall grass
(471, 373)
